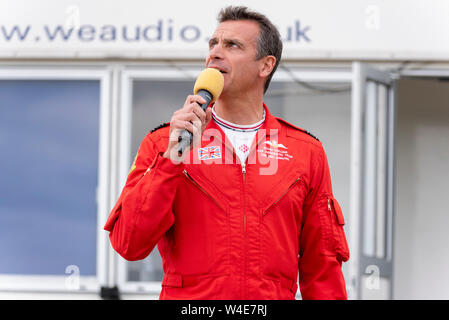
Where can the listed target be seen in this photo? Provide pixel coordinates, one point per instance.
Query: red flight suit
(227, 230)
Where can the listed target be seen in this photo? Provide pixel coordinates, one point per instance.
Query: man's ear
(267, 66)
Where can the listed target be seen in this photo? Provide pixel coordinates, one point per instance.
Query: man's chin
(224, 92)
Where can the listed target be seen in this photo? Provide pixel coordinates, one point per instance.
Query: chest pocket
(285, 191)
(280, 225)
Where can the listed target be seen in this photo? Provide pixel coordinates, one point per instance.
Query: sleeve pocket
(338, 221)
(332, 222)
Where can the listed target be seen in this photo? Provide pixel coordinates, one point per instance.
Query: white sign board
(329, 29)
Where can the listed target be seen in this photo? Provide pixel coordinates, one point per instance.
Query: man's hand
(192, 118)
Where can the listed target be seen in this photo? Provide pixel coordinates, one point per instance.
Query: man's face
(232, 50)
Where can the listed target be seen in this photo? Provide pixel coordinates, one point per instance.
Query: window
(49, 142)
(53, 186)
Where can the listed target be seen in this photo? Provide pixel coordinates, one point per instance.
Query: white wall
(421, 269)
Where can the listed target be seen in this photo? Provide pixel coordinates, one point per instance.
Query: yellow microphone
(210, 80)
(208, 85)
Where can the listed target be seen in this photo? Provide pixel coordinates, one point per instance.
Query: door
(372, 183)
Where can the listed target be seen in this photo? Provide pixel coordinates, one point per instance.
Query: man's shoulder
(161, 131)
(160, 128)
(299, 133)
(158, 136)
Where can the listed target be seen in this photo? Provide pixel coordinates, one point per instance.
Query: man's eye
(232, 45)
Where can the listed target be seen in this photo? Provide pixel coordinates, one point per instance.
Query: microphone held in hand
(208, 85)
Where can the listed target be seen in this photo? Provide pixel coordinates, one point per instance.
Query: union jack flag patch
(209, 153)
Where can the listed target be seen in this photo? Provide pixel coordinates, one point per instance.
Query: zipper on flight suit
(244, 211)
(202, 189)
(244, 232)
(283, 194)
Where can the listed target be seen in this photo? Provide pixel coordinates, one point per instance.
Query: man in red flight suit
(227, 228)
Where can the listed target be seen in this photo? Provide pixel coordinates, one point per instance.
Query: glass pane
(49, 146)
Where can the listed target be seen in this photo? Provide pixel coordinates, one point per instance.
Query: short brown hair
(269, 42)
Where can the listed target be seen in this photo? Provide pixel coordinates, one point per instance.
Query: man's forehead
(237, 29)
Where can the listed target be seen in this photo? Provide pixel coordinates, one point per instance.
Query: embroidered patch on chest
(208, 153)
(274, 150)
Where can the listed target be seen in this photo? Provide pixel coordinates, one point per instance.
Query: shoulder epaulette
(297, 128)
(307, 132)
(160, 126)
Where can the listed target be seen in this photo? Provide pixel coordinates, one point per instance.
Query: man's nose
(216, 52)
